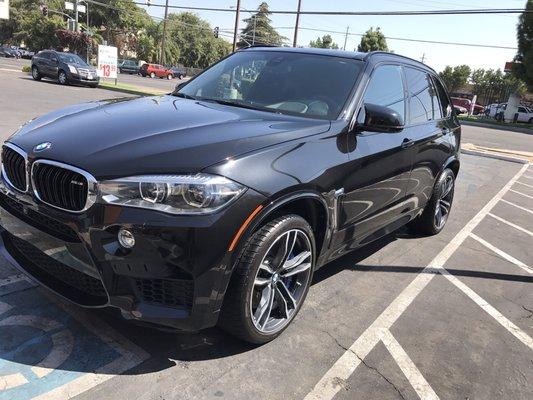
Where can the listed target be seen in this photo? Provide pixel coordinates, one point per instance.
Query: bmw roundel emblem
(42, 146)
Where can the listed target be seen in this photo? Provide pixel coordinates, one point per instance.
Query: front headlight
(174, 194)
(72, 69)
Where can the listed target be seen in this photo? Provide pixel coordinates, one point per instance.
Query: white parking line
(527, 177)
(511, 224)
(521, 194)
(408, 367)
(512, 328)
(502, 253)
(524, 184)
(517, 206)
(328, 386)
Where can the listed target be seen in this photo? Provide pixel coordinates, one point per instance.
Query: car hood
(164, 134)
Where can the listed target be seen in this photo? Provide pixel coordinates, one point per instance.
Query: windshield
(71, 59)
(309, 85)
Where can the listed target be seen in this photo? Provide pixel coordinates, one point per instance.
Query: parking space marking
(131, 355)
(517, 206)
(524, 184)
(328, 386)
(521, 194)
(512, 328)
(408, 367)
(527, 177)
(502, 254)
(511, 224)
(12, 381)
(62, 345)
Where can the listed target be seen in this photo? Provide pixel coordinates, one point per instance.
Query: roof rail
(372, 53)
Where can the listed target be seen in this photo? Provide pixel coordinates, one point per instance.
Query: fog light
(125, 238)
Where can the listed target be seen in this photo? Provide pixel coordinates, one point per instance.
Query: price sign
(107, 62)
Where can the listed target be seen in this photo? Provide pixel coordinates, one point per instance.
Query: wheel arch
(452, 163)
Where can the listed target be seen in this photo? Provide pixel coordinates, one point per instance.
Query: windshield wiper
(184, 96)
(235, 104)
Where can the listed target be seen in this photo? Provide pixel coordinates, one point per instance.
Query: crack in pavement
(365, 363)
(521, 305)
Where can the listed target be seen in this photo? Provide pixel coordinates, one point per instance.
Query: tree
(494, 85)
(258, 30)
(325, 43)
(190, 41)
(523, 67)
(456, 77)
(373, 40)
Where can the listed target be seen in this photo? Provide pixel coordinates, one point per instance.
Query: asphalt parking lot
(449, 316)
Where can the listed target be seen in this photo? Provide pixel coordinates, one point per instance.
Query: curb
(494, 156)
(527, 131)
(139, 92)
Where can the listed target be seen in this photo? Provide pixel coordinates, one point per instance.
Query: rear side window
(423, 101)
(45, 55)
(445, 105)
(386, 89)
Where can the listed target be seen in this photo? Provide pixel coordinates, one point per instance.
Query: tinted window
(423, 101)
(443, 98)
(521, 109)
(303, 84)
(45, 55)
(386, 89)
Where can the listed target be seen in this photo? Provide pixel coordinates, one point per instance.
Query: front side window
(423, 101)
(308, 85)
(386, 89)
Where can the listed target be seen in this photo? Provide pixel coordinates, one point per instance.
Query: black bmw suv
(216, 203)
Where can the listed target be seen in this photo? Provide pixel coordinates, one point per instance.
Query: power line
(362, 13)
(406, 39)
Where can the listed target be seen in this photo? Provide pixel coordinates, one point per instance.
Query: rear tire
(437, 210)
(531, 120)
(35, 73)
(269, 284)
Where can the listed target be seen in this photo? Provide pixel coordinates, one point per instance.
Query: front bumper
(175, 275)
(93, 79)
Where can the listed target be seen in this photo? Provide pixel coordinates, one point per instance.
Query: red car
(467, 103)
(156, 70)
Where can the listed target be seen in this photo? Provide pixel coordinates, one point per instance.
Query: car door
(380, 166)
(429, 127)
(42, 62)
(53, 64)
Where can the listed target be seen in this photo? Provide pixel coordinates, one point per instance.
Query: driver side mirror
(378, 118)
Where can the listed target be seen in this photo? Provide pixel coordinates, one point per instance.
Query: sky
(484, 29)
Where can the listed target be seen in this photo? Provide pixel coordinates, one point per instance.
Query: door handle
(407, 143)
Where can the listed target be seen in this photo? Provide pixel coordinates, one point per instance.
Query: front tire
(437, 210)
(35, 73)
(62, 78)
(152, 75)
(270, 280)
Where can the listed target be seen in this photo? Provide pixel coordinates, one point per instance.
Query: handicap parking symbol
(51, 350)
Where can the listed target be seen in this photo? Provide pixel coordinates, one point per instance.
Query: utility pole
(294, 42)
(163, 40)
(76, 26)
(255, 23)
(237, 14)
(346, 37)
(423, 57)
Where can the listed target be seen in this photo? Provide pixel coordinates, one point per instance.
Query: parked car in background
(216, 204)
(524, 114)
(467, 104)
(67, 68)
(179, 72)
(156, 70)
(490, 110)
(128, 67)
(23, 53)
(7, 52)
(460, 110)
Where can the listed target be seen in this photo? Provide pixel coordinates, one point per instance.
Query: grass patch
(131, 89)
(491, 121)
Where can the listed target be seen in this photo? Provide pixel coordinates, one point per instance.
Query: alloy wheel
(35, 73)
(62, 78)
(443, 206)
(281, 281)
